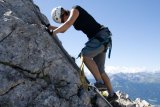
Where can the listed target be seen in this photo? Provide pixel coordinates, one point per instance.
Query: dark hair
(67, 12)
(64, 12)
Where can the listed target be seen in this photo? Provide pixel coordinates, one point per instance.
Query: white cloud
(125, 69)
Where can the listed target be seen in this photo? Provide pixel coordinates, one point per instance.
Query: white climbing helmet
(56, 14)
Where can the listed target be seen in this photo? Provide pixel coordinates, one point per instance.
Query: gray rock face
(34, 71)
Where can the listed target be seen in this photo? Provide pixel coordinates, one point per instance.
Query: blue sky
(135, 25)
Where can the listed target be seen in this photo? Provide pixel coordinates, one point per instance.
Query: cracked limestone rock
(34, 72)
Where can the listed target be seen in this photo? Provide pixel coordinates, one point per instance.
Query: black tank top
(86, 23)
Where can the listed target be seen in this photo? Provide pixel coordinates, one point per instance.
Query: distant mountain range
(138, 85)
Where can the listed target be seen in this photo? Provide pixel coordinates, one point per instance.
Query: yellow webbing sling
(82, 75)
